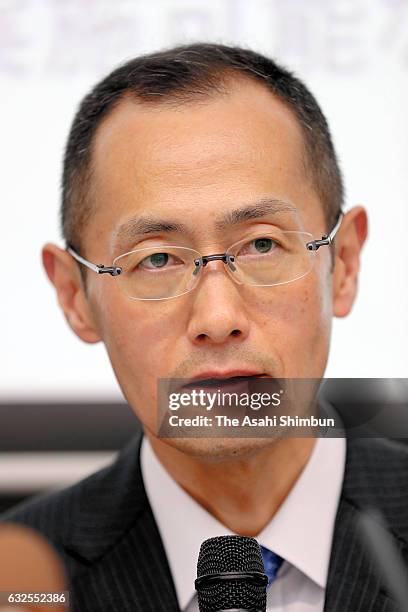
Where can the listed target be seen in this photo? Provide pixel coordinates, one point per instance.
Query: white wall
(352, 53)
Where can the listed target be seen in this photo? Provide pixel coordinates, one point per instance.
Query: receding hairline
(230, 80)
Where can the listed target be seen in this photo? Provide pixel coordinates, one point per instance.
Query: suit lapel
(115, 551)
(133, 576)
(355, 581)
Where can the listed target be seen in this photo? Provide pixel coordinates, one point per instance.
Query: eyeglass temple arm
(316, 244)
(98, 268)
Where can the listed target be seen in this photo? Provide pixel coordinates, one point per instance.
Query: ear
(348, 244)
(64, 274)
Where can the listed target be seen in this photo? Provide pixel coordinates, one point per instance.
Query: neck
(243, 492)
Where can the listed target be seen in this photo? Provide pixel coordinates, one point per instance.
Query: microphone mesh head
(230, 554)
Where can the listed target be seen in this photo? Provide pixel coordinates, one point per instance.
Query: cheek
(298, 322)
(137, 337)
(140, 338)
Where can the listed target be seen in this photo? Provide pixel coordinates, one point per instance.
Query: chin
(220, 449)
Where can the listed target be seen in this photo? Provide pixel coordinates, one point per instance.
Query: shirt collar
(301, 531)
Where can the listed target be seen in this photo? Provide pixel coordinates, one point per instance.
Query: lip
(223, 375)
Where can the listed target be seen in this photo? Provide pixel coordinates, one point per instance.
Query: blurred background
(58, 395)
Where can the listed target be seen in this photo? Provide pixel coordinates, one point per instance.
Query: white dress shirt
(301, 531)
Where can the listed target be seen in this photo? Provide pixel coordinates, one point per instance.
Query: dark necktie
(272, 563)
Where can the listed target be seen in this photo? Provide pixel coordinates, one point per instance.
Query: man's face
(192, 165)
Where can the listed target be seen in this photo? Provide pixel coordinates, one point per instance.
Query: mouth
(234, 379)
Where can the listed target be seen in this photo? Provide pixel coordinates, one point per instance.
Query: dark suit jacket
(105, 531)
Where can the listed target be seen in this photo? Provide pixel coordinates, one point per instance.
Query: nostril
(236, 332)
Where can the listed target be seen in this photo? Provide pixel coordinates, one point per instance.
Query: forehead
(197, 158)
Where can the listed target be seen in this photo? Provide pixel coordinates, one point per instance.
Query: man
(172, 158)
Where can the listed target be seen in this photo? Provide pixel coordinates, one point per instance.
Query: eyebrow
(145, 225)
(256, 210)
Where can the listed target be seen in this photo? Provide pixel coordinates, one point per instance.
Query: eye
(258, 246)
(158, 261)
(263, 245)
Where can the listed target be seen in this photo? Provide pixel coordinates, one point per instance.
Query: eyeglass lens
(268, 259)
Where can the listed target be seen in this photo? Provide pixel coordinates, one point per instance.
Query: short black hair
(185, 74)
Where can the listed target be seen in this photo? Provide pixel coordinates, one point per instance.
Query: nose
(218, 313)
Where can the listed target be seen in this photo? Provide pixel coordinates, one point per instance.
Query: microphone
(29, 565)
(230, 575)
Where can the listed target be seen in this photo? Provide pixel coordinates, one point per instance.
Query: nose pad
(230, 259)
(198, 265)
(232, 269)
